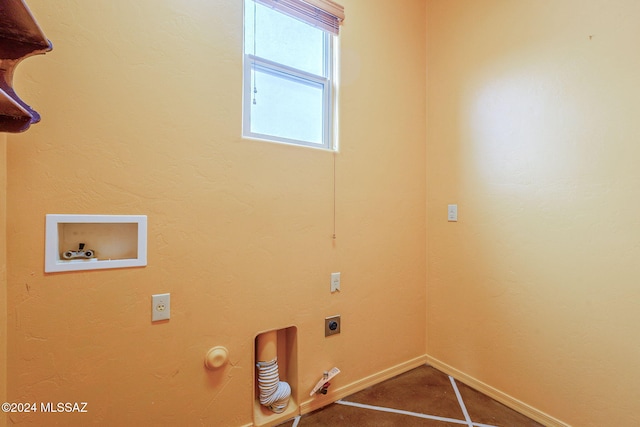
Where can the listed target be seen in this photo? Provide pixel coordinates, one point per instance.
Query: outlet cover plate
(160, 307)
(332, 325)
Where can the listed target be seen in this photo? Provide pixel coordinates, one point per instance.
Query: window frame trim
(329, 99)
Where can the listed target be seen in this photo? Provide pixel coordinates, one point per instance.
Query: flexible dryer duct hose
(274, 394)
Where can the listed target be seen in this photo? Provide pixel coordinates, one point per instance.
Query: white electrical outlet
(335, 282)
(160, 307)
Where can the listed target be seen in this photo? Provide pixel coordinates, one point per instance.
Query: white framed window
(289, 81)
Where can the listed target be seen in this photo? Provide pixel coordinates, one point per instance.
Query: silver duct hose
(274, 394)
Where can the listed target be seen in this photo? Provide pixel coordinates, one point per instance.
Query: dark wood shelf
(20, 38)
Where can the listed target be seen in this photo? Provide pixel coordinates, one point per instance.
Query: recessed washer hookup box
(93, 242)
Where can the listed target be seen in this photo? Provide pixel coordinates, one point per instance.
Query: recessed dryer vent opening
(279, 345)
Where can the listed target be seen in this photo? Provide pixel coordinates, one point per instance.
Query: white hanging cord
(255, 89)
(334, 195)
(274, 394)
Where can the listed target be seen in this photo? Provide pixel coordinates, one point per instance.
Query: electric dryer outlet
(332, 325)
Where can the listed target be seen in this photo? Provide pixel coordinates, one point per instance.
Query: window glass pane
(283, 39)
(287, 107)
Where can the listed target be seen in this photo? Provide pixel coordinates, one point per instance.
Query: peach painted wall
(3, 275)
(533, 130)
(141, 106)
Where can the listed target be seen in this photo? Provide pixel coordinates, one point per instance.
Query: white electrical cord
(274, 394)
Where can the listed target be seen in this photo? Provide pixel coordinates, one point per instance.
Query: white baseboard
(496, 394)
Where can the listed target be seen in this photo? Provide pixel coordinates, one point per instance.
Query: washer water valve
(322, 386)
(80, 253)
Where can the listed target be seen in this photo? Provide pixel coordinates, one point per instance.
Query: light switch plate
(335, 282)
(452, 213)
(160, 307)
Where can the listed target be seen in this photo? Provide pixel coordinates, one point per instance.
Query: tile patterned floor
(421, 397)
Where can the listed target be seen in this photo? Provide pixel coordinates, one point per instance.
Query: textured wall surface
(533, 130)
(3, 276)
(141, 107)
